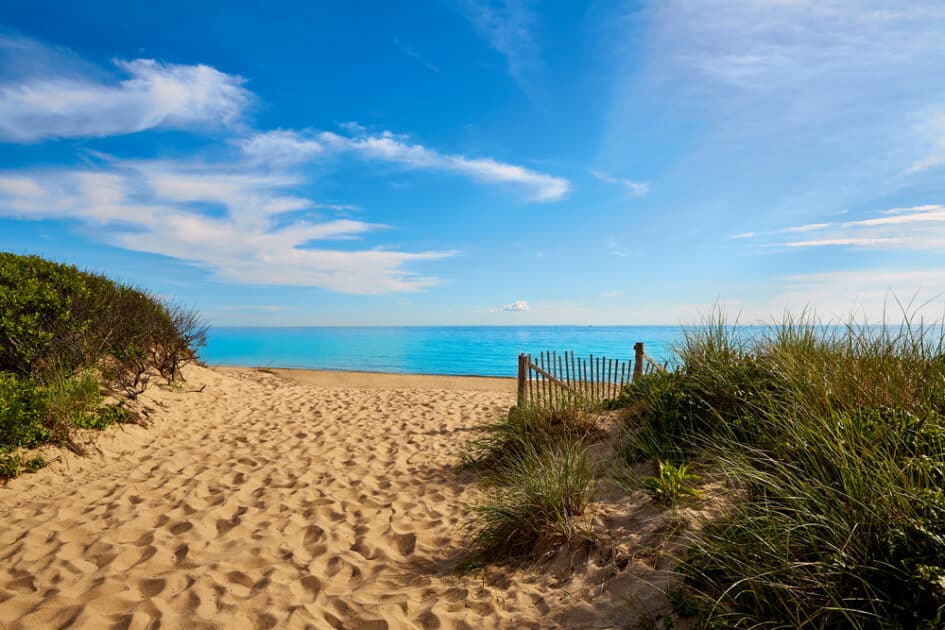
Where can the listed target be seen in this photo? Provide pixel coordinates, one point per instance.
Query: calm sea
(474, 350)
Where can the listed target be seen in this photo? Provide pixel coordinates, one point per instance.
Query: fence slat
(567, 373)
(553, 379)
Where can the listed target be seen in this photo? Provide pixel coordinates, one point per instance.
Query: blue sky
(477, 162)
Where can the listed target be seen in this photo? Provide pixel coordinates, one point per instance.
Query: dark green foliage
(834, 441)
(22, 413)
(57, 319)
(64, 333)
(13, 465)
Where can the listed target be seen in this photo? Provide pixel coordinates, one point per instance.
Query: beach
(281, 498)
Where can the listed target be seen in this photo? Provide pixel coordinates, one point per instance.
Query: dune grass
(540, 479)
(833, 439)
(538, 508)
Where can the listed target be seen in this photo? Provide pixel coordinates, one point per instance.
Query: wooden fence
(559, 380)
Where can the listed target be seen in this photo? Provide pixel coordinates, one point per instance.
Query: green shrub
(60, 330)
(13, 465)
(22, 413)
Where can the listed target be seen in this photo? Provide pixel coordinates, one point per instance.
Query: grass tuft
(525, 433)
(538, 509)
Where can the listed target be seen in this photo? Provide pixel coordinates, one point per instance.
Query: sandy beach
(279, 498)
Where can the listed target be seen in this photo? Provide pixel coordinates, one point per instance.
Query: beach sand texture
(267, 501)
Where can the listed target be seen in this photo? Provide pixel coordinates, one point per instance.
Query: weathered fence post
(523, 361)
(637, 360)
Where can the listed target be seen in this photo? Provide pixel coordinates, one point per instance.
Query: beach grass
(832, 440)
(829, 442)
(538, 507)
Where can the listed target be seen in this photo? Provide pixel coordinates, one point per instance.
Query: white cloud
(47, 103)
(915, 228)
(291, 146)
(158, 207)
(609, 294)
(280, 147)
(633, 188)
(517, 306)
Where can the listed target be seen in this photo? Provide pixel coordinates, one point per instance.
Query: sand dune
(264, 501)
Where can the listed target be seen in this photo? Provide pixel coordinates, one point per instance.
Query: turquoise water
(473, 350)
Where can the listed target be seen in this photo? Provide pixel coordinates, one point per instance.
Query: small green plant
(13, 465)
(670, 483)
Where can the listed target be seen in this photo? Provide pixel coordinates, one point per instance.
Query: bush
(13, 465)
(22, 413)
(60, 330)
(670, 484)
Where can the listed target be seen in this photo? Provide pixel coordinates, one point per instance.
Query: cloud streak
(47, 104)
(632, 188)
(283, 147)
(913, 228)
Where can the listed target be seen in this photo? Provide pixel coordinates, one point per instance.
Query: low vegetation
(830, 441)
(833, 439)
(68, 338)
(537, 465)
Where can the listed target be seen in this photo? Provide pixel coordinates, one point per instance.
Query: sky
(465, 162)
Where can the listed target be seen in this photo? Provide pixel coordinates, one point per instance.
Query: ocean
(455, 350)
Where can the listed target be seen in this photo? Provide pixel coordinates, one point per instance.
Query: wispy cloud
(934, 131)
(411, 52)
(632, 188)
(161, 208)
(45, 103)
(855, 84)
(609, 294)
(280, 147)
(517, 306)
(508, 26)
(296, 146)
(914, 228)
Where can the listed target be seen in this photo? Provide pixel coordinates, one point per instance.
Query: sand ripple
(262, 502)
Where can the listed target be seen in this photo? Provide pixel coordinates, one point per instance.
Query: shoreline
(382, 380)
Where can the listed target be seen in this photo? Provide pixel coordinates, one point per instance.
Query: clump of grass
(834, 438)
(538, 509)
(525, 433)
(670, 484)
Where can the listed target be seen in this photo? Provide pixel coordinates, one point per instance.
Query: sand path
(264, 502)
